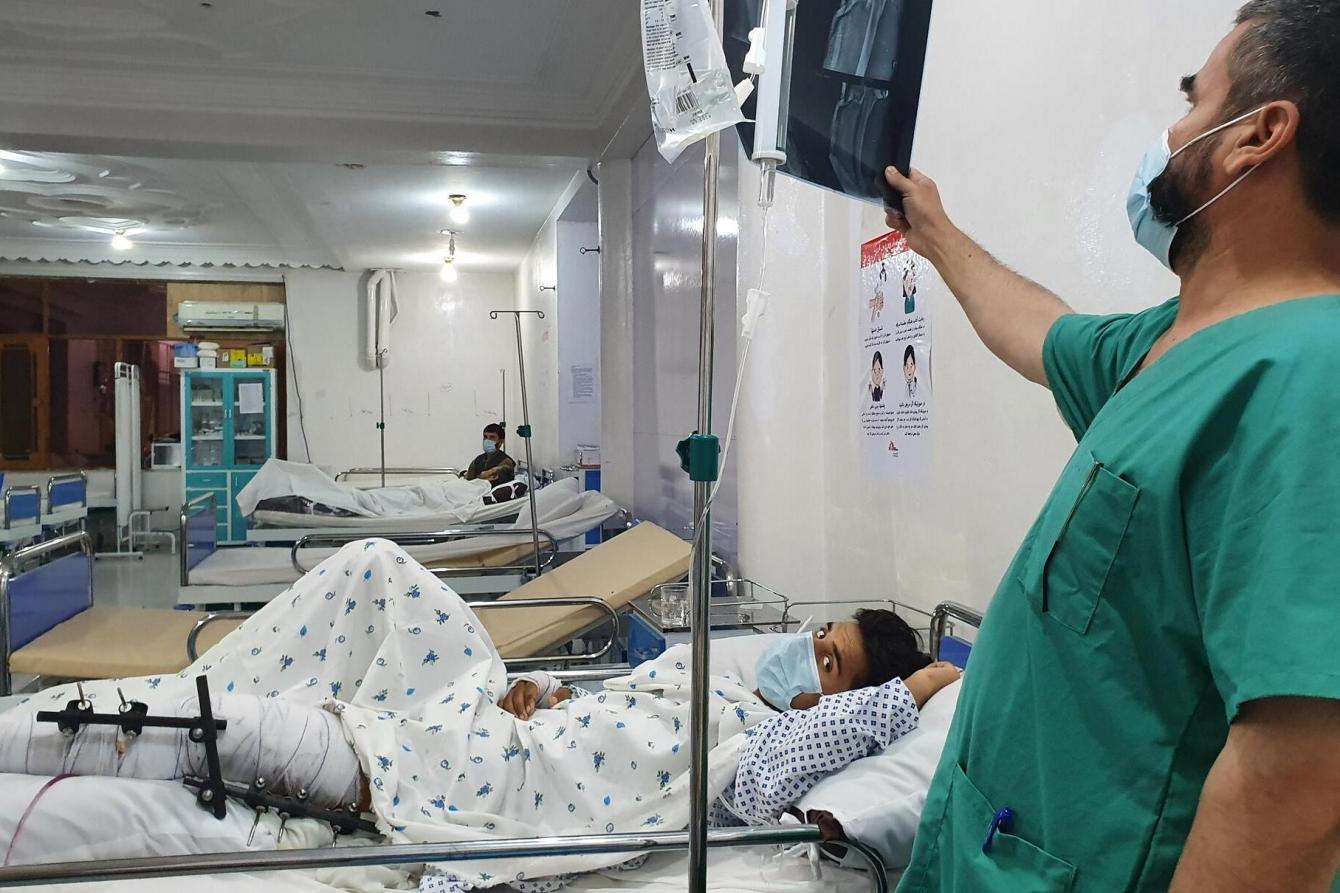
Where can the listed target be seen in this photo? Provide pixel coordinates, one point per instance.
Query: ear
(1274, 129)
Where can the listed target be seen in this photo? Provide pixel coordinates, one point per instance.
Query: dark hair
(909, 354)
(1291, 52)
(892, 648)
(877, 358)
(495, 428)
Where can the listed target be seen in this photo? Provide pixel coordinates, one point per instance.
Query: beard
(1177, 193)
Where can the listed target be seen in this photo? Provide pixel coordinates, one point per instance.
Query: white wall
(666, 263)
(617, 466)
(1033, 117)
(442, 381)
(540, 337)
(578, 277)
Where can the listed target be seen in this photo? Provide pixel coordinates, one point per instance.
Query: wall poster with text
(894, 341)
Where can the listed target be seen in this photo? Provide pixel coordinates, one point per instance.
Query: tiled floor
(148, 583)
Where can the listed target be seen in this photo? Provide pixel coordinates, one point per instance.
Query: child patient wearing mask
(843, 692)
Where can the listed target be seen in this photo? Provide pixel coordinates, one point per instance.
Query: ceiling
(58, 207)
(224, 131)
(480, 75)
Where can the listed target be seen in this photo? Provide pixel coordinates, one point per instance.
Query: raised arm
(1269, 814)
(1010, 313)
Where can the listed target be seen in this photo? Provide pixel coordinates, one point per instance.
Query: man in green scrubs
(1154, 698)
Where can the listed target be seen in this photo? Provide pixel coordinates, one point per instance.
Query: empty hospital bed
(55, 629)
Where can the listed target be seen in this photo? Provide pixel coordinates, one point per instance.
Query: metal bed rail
(943, 615)
(12, 567)
(586, 601)
(11, 496)
(543, 555)
(57, 481)
(189, 511)
(108, 870)
(401, 471)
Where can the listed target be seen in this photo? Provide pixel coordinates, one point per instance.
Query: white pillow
(738, 656)
(88, 817)
(878, 799)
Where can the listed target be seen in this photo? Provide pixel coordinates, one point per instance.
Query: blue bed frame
(22, 514)
(66, 500)
(198, 533)
(42, 586)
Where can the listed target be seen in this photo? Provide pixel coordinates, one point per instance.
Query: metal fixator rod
(524, 429)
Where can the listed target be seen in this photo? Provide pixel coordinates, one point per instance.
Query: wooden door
(24, 396)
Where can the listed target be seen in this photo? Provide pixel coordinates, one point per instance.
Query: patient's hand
(928, 680)
(830, 829)
(523, 700)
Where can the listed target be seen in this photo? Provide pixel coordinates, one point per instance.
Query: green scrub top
(1187, 562)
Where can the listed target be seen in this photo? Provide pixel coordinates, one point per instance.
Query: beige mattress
(107, 642)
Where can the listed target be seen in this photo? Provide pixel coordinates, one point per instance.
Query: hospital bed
(54, 630)
(267, 518)
(734, 868)
(65, 502)
(22, 520)
(477, 559)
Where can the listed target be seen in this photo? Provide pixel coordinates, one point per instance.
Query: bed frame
(942, 621)
(402, 471)
(66, 501)
(22, 515)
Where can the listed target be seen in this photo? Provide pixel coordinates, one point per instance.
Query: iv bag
(688, 81)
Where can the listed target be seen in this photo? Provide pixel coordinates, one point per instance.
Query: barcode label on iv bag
(686, 101)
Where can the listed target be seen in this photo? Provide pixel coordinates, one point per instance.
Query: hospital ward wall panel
(667, 247)
(442, 381)
(1033, 149)
(578, 303)
(540, 336)
(616, 330)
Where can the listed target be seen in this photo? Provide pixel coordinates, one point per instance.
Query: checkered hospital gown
(789, 754)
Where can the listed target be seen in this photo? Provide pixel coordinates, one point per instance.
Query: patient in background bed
(493, 465)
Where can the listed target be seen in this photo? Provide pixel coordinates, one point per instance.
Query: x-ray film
(854, 91)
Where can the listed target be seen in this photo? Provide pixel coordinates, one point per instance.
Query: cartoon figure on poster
(894, 411)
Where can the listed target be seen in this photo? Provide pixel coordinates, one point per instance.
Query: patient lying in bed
(371, 684)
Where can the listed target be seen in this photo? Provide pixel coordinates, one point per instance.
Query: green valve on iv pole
(699, 455)
(523, 431)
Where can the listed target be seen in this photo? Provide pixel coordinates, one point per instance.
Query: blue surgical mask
(490, 447)
(1154, 235)
(787, 669)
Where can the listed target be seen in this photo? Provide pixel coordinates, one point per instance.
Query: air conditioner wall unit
(214, 316)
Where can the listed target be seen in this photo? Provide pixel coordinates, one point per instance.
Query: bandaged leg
(295, 749)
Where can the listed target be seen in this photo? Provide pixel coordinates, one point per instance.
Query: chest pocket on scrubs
(1077, 565)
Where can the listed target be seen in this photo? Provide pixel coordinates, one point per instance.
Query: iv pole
(703, 447)
(524, 428)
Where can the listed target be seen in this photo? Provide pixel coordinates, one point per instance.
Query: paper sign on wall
(894, 339)
(583, 384)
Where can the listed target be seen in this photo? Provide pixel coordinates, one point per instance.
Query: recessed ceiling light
(458, 213)
(120, 242)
